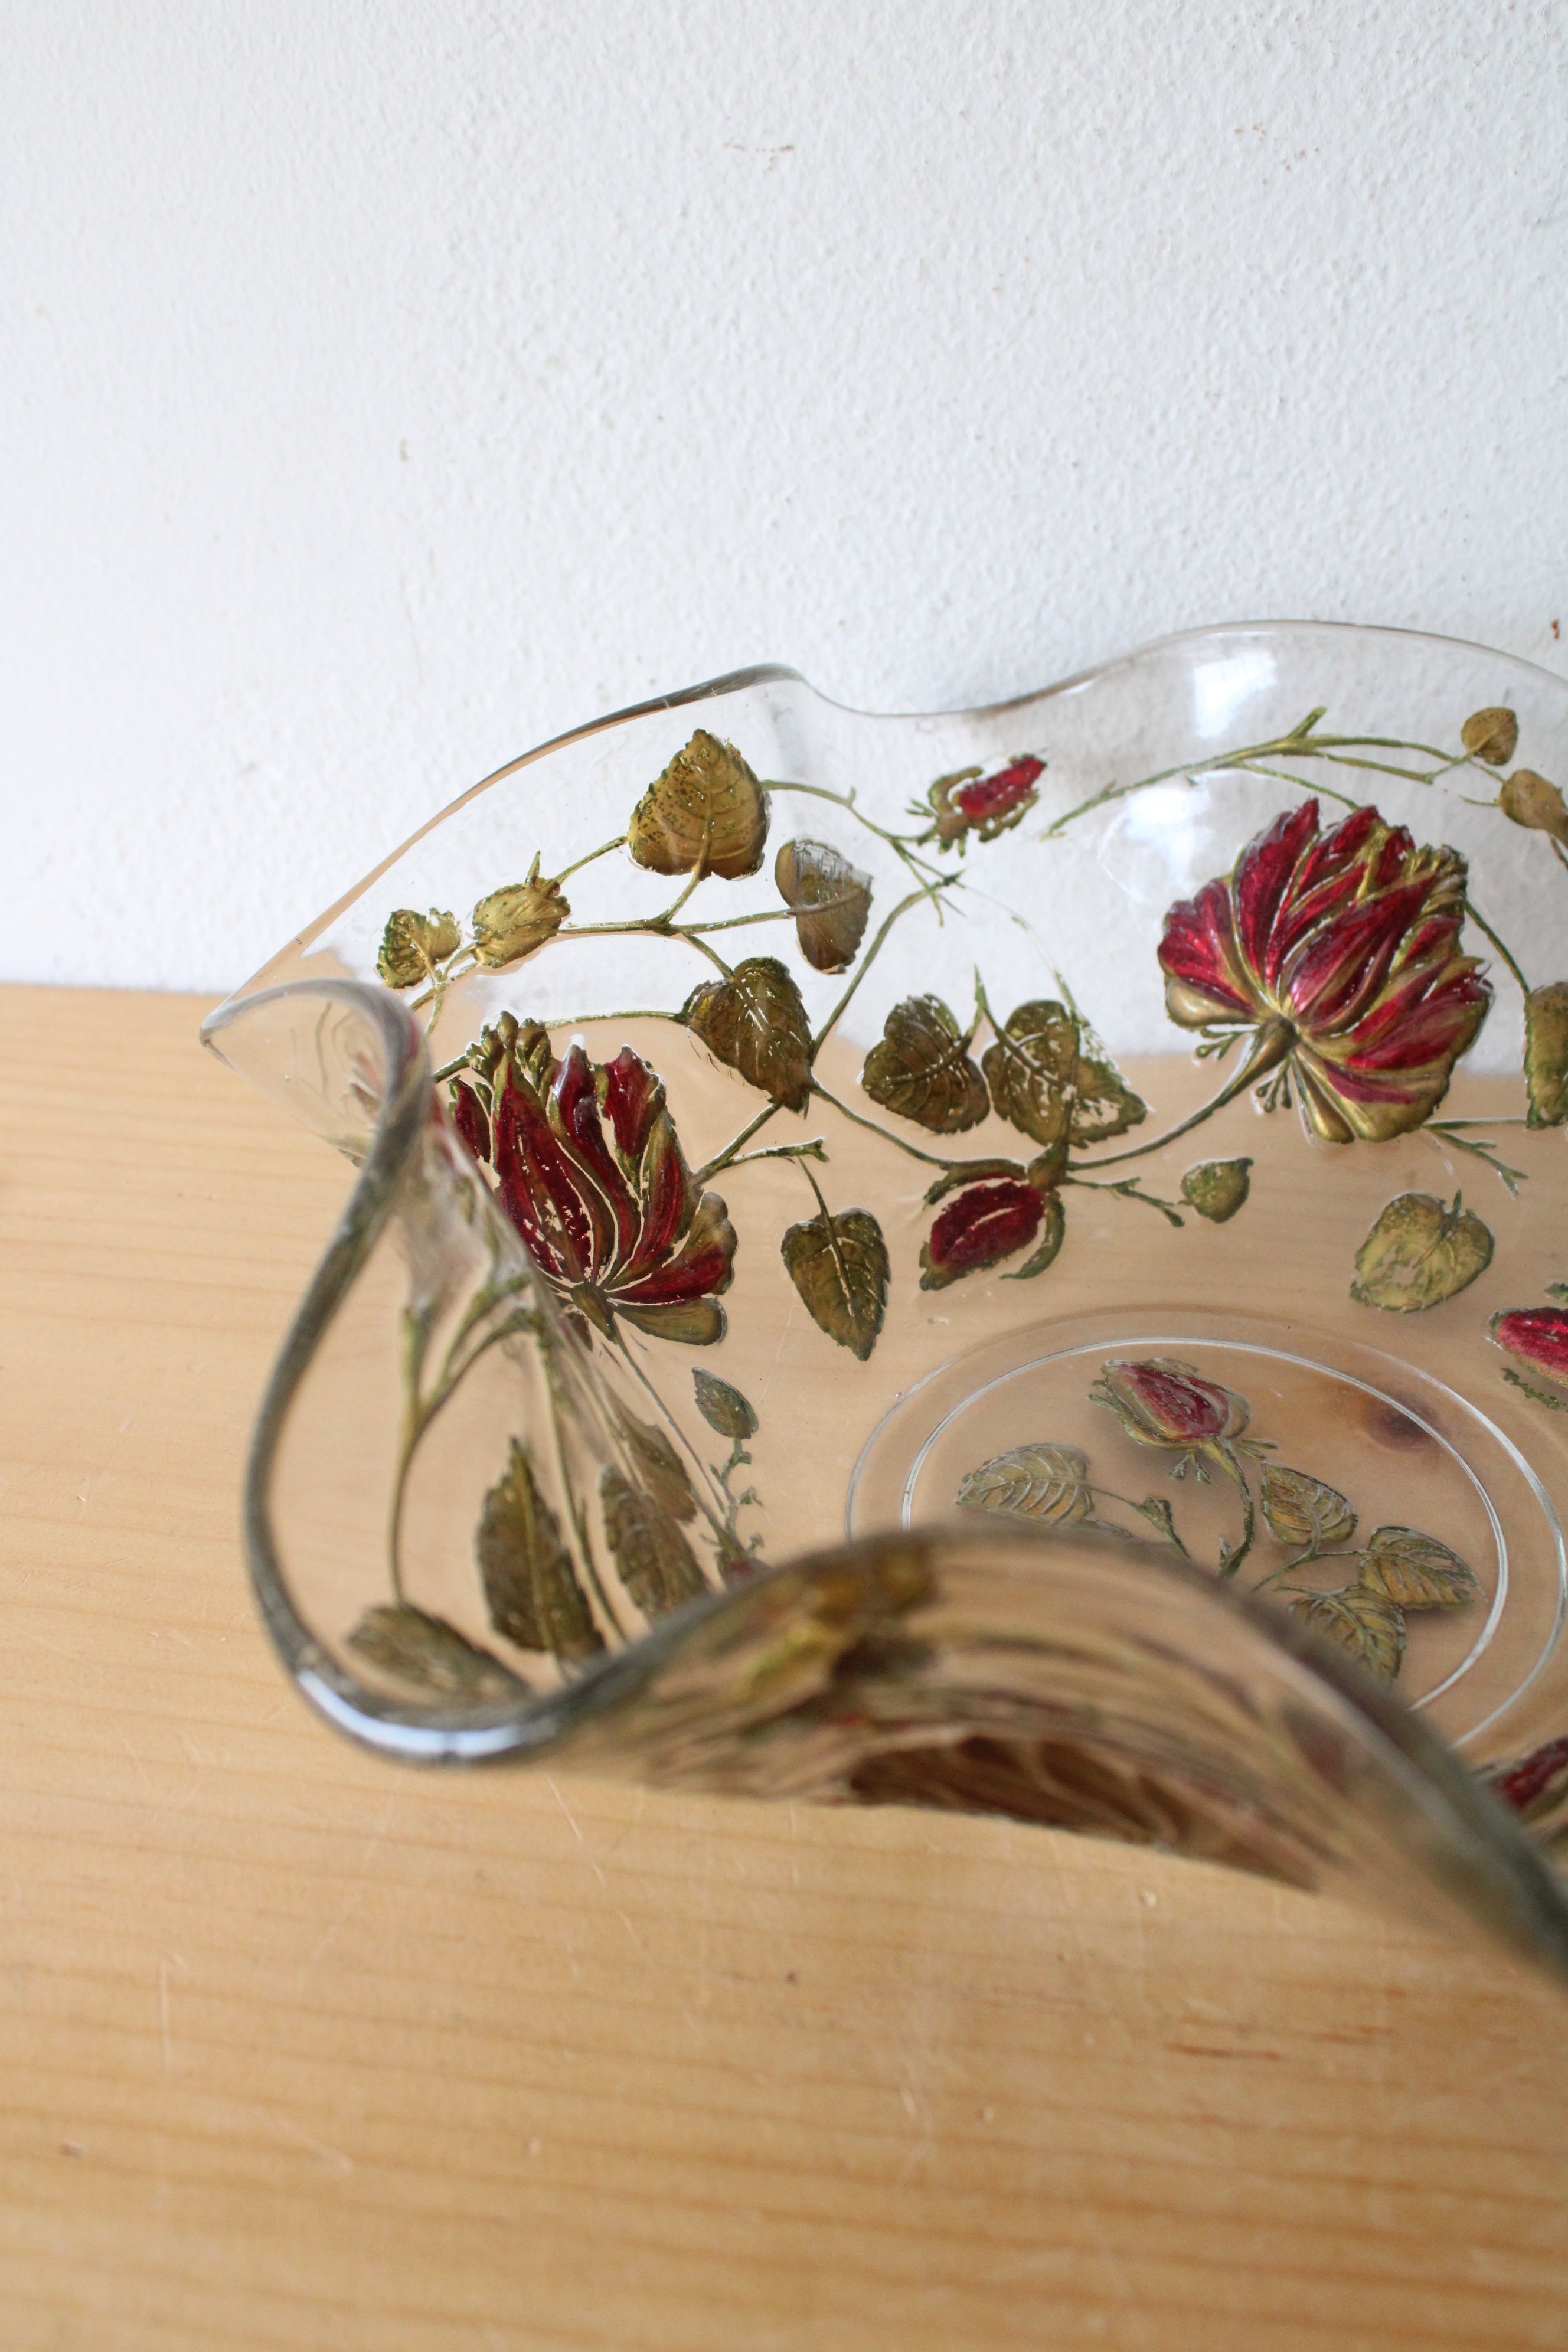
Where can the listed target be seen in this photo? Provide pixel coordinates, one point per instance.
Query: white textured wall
(386, 388)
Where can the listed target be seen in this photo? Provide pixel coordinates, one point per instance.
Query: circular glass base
(1330, 1469)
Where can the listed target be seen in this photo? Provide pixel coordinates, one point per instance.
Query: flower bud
(1216, 1189)
(514, 921)
(1162, 1402)
(1531, 802)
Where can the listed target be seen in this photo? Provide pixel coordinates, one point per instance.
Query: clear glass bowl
(1009, 1260)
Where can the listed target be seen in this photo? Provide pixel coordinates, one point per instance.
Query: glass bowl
(1008, 1260)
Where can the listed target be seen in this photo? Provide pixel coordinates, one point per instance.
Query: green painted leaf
(1416, 1571)
(1053, 1232)
(1420, 1253)
(922, 1069)
(1302, 1510)
(706, 807)
(1030, 1068)
(1546, 1054)
(1490, 735)
(1047, 1484)
(1216, 1189)
(756, 1023)
(1159, 1514)
(431, 1656)
(1365, 1624)
(839, 1265)
(1050, 1077)
(1104, 1105)
(659, 1466)
(723, 1408)
(832, 900)
(412, 945)
(656, 1562)
(530, 1584)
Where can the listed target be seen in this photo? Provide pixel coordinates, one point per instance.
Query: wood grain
(302, 2049)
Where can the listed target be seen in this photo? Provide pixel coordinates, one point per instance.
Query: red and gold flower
(615, 1219)
(996, 1208)
(971, 801)
(1537, 1338)
(981, 1226)
(1162, 1402)
(1341, 950)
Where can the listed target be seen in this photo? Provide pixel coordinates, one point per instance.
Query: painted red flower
(1162, 1402)
(1341, 950)
(1534, 1783)
(970, 802)
(1536, 1337)
(981, 1226)
(614, 1219)
(997, 1209)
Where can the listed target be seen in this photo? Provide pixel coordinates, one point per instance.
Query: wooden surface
(302, 2049)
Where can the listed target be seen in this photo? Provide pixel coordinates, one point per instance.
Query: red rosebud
(966, 802)
(989, 797)
(1537, 1335)
(1543, 1773)
(1162, 1402)
(981, 1226)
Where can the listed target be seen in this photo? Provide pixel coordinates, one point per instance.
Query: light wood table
(302, 2049)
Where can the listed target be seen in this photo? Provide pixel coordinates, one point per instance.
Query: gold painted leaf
(1030, 1069)
(1365, 1624)
(1103, 1103)
(706, 809)
(1303, 1510)
(1050, 1076)
(1490, 735)
(1546, 1054)
(832, 900)
(659, 1466)
(656, 1562)
(1053, 1232)
(839, 1265)
(412, 945)
(922, 1069)
(431, 1656)
(1159, 1514)
(723, 1408)
(1047, 1484)
(1416, 1571)
(1216, 1189)
(1420, 1253)
(756, 1023)
(531, 1585)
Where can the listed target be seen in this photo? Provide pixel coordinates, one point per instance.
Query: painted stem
(1270, 1046)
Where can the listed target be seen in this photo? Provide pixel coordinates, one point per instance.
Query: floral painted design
(1536, 1339)
(589, 1169)
(970, 800)
(1338, 956)
(1339, 952)
(1167, 1405)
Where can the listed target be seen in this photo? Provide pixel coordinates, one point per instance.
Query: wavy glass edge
(766, 672)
